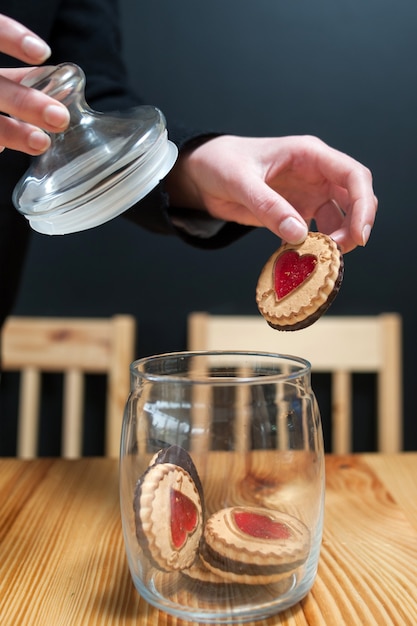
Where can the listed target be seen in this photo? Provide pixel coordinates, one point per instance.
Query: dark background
(345, 70)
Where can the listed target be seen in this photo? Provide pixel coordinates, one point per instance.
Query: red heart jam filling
(184, 518)
(260, 526)
(290, 270)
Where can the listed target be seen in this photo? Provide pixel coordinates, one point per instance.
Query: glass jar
(222, 483)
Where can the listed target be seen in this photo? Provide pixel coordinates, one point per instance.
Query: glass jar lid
(99, 167)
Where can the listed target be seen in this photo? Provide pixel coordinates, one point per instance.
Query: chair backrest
(76, 347)
(339, 345)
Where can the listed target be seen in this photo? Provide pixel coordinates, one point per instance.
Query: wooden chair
(334, 344)
(75, 347)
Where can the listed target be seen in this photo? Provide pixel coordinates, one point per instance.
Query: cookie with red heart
(299, 282)
(169, 510)
(254, 545)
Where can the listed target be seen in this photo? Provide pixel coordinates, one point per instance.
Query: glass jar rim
(303, 367)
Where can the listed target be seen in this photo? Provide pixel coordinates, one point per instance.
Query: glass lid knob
(96, 169)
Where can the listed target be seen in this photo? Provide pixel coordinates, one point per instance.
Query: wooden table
(62, 559)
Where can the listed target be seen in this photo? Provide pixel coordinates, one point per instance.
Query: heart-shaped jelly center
(184, 518)
(260, 526)
(290, 270)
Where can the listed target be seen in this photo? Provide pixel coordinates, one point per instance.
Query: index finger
(356, 179)
(21, 43)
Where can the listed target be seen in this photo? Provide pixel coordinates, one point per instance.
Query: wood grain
(63, 561)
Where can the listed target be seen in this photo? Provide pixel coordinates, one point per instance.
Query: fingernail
(39, 141)
(366, 231)
(56, 115)
(292, 230)
(36, 48)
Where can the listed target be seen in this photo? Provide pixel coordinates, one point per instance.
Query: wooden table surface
(62, 558)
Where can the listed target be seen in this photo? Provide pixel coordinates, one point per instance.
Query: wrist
(179, 183)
